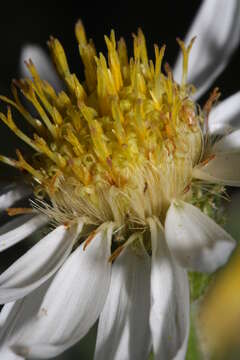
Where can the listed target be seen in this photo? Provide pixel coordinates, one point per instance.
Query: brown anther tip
(206, 161)
(18, 211)
(116, 253)
(214, 96)
(187, 188)
(66, 225)
(89, 239)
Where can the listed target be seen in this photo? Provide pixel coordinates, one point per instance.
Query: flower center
(119, 146)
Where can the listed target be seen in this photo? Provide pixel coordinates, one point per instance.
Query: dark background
(24, 22)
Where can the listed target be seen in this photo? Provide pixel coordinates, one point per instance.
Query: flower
(124, 166)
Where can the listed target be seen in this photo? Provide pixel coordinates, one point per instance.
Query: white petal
(11, 196)
(17, 320)
(225, 116)
(196, 241)
(222, 169)
(8, 354)
(53, 318)
(169, 317)
(4, 315)
(123, 330)
(42, 63)
(38, 264)
(217, 27)
(19, 228)
(229, 143)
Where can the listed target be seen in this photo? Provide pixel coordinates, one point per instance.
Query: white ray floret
(38, 264)
(223, 169)
(195, 240)
(8, 354)
(11, 196)
(170, 300)
(225, 116)
(123, 331)
(18, 229)
(228, 144)
(217, 28)
(80, 287)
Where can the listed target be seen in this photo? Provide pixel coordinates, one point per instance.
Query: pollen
(118, 146)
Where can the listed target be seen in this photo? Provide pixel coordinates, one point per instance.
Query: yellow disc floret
(118, 146)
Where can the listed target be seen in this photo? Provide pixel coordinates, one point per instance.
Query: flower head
(103, 149)
(124, 166)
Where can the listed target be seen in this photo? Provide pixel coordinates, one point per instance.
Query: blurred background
(31, 22)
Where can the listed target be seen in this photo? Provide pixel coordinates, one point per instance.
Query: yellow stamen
(185, 51)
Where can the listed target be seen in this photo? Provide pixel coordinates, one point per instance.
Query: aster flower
(124, 168)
